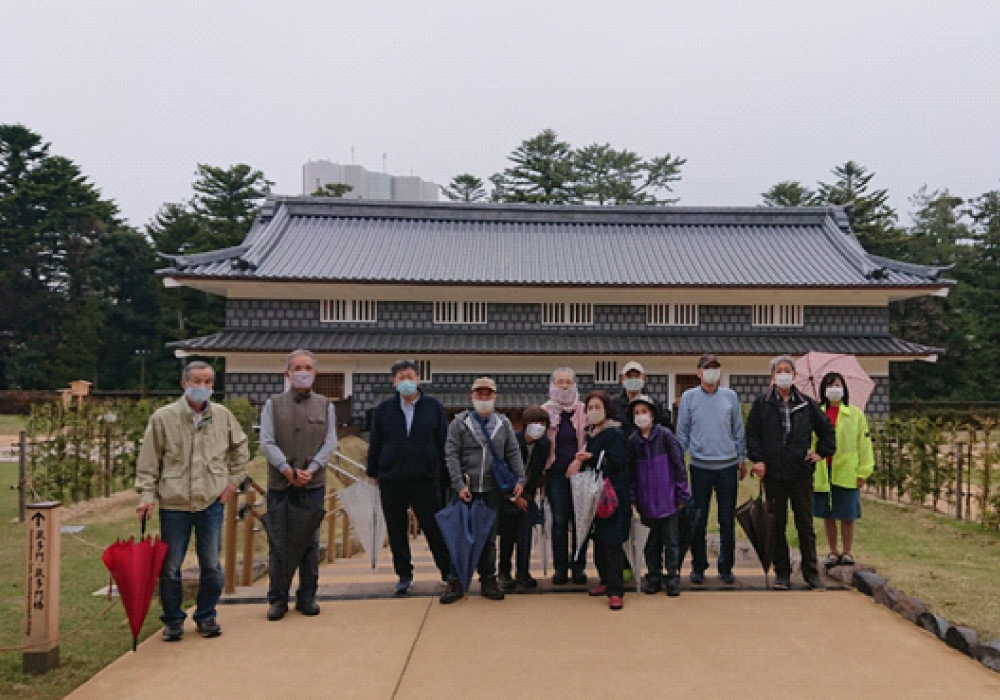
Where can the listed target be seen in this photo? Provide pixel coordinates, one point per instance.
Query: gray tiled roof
(548, 344)
(325, 239)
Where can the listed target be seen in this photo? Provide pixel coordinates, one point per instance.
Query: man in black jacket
(406, 457)
(779, 437)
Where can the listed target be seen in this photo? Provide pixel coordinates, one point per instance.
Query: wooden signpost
(41, 625)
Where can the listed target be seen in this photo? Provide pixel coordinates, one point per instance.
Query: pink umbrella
(812, 367)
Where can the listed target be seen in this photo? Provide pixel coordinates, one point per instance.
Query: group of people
(812, 455)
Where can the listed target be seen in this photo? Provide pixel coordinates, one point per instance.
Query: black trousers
(610, 559)
(308, 565)
(662, 547)
(514, 530)
(799, 494)
(399, 495)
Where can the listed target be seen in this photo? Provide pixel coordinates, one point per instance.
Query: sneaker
(579, 578)
(277, 611)
(173, 631)
(652, 585)
(560, 578)
(489, 587)
(782, 583)
(506, 582)
(209, 628)
(615, 602)
(308, 608)
(673, 586)
(728, 578)
(599, 590)
(403, 586)
(697, 577)
(815, 582)
(526, 581)
(452, 592)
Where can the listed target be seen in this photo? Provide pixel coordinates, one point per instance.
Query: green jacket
(187, 467)
(854, 458)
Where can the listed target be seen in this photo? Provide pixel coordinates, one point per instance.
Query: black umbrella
(290, 526)
(465, 528)
(757, 521)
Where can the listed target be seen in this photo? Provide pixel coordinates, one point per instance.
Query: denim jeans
(724, 482)
(561, 502)
(175, 530)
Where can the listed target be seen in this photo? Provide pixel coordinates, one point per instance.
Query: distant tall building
(366, 184)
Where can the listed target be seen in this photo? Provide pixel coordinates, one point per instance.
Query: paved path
(710, 644)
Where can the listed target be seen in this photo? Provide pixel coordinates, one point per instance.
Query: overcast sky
(751, 93)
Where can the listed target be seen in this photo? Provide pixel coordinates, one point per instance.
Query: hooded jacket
(660, 476)
(467, 453)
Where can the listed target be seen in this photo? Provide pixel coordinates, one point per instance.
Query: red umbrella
(135, 567)
(812, 367)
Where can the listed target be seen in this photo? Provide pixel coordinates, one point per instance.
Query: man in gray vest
(298, 434)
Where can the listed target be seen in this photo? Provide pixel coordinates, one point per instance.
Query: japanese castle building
(514, 291)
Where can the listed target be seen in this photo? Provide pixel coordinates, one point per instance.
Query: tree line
(83, 300)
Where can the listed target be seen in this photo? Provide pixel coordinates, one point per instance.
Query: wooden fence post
(958, 481)
(41, 624)
(248, 523)
(345, 542)
(229, 534)
(331, 527)
(22, 474)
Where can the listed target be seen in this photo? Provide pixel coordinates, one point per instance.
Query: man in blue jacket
(406, 457)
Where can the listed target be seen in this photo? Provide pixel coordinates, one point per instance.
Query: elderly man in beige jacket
(192, 459)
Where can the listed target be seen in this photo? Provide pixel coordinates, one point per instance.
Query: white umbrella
(585, 487)
(637, 536)
(541, 541)
(363, 505)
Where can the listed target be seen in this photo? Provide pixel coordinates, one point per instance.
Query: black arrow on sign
(38, 518)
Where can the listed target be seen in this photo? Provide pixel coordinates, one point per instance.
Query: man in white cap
(633, 381)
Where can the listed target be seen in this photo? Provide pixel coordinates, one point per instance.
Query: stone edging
(964, 639)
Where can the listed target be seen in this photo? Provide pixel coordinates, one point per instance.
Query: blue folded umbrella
(465, 528)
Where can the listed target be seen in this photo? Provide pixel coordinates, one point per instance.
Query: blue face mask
(406, 387)
(198, 394)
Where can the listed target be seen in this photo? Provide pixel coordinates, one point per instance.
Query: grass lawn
(951, 565)
(12, 425)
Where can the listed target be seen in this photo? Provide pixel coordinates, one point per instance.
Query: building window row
(556, 313)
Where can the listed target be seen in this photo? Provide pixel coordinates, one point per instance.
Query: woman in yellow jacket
(838, 479)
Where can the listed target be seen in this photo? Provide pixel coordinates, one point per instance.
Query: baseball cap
(633, 365)
(708, 359)
(484, 383)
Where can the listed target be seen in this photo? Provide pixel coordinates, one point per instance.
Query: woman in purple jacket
(661, 489)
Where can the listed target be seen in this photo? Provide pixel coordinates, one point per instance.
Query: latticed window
(567, 314)
(348, 310)
(777, 315)
(469, 312)
(672, 314)
(606, 372)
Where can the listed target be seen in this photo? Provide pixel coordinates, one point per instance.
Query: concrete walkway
(714, 643)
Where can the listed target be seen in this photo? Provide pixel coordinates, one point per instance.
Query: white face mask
(302, 380)
(563, 397)
(483, 408)
(596, 416)
(633, 384)
(535, 430)
(643, 420)
(835, 393)
(711, 376)
(784, 380)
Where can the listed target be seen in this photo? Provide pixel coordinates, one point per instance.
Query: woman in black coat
(606, 446)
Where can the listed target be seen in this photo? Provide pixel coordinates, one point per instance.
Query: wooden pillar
(229, 535)
(249, 521)
(41, 625)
